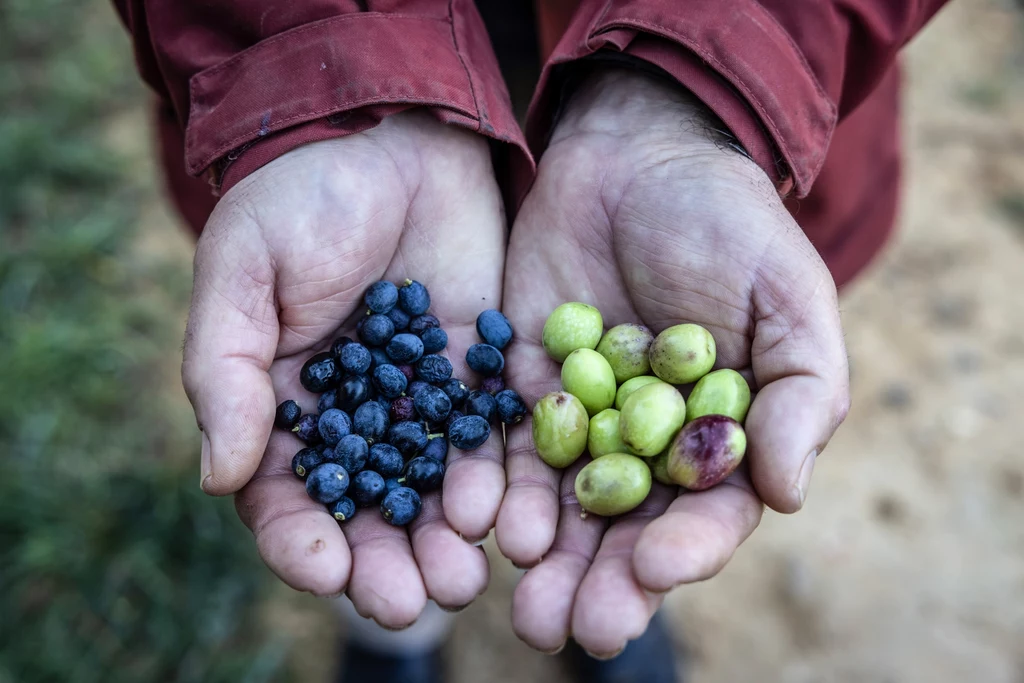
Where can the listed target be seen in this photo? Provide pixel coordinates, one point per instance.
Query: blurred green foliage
(113, 565)
(1012, 206)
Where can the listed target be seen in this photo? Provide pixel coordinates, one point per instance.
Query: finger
(455, 243)
(697, 535)
(789, 424)
(296, 537)
(799, 359)
(386, 585)
(230, 342)
(573, 262)
(454, 571)
(370, 558)
(474, 481)
(529, 513)
(611, 608)
(543, 600)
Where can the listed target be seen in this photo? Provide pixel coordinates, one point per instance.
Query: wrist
(616, 101)
(399, 146)
(638, 119)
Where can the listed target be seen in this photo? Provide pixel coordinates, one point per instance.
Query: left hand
(281, 266)
(637, 212)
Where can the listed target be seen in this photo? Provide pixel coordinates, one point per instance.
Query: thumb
(799, 361)
(230, 341)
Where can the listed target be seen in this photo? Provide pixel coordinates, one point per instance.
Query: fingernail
(205, 469)
(554, 651)
(453, 610)
(473, 541)
(394, 629)
(604, 658)
(803, 480)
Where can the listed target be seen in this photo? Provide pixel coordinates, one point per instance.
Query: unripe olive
(631, 385)
(559, 428)
(587, 376)
(625, 347)
(603, 436)
(571, 326)
(683, 354)
(722, 392)
(613, 485)
(651, 417)
(659, 468)
(706, 451)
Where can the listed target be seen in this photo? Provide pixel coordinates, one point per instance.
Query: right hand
(637, 211)
(280, 272)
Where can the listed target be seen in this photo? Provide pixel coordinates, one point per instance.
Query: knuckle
(527, 481)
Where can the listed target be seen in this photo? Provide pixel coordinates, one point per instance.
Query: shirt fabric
(810, 88)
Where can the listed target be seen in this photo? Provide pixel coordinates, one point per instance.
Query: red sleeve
(779, 73)
(249, 80)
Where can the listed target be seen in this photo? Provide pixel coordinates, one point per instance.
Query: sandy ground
(907, 564)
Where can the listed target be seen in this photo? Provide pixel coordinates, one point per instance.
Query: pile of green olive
(621, 402)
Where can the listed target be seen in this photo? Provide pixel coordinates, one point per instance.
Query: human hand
(637, 211)
(280, 272)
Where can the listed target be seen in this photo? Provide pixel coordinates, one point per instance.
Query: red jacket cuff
(229, 169)
(339, 76)
(740, 63)
(720, 97)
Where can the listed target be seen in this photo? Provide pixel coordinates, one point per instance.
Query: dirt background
(907, 563)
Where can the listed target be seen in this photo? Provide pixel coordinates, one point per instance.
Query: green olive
(571, 326)
(559, 428)
(722, 392)
(659, 468)
(613, 485)
(651, 417)
(625, 347)
(631, 385)
(706, 451)
(683, 354)
(587, 376)
(603, 436)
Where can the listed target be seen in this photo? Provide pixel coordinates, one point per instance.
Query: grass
(1012, 206)
(984, 94)
(113, 565)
